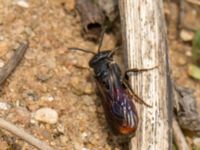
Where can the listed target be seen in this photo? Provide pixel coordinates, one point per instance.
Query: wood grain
(145, 46)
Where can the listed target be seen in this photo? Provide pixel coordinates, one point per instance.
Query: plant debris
(92, 18)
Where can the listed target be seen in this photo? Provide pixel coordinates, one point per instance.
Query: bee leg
(101, 39)
(134, 95)
(112, 51)
(81, 67)
(138, 70)
(126, 77)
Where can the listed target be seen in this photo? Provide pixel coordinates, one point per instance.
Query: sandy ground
(47, 77)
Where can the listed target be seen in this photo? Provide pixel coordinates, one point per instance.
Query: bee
(117, 95)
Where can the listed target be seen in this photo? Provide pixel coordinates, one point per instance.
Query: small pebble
(33, 121)
(84, 148)
(48, 98)
(196, 141)
(4, 106)
(89, 89)
(61, 128)
(53, 143)
(64, 139)
(22, 3)
(181, 61)
(30, 32)
(186, 35)
(46, 115)
(188, 53)
(44, 74)
(30, 95)
(1, 63)
(77, 146)
(49, 62)
(1, 37)
(84, 135)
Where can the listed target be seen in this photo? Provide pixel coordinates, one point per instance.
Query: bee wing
(117, 100)
(124, 109)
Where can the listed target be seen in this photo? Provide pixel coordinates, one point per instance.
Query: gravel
(46, 115)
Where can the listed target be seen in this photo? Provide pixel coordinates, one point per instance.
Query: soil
(180, 50)
(51, 76)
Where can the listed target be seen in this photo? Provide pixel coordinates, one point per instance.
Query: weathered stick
(24, 135)
(12, 63)
(145, 43)
(195, 2)
(181, 13)
(179, 137)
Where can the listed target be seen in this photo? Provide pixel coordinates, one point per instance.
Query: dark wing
(117, 102)
(124, 110)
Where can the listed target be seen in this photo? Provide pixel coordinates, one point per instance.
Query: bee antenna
(113, 51)
(101, 39)
(83, 50)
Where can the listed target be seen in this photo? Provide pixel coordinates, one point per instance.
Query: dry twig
(180, 23)
(12, 63)
(179, 137)
(24, 135)
(196, 2)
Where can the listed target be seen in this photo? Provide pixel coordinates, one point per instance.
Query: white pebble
(1, 63)
(4, 106)
(46, 115)
(50, 98)
(1, 37)
(84, 135)
(186, 35)
(196, 141)
(22, 3)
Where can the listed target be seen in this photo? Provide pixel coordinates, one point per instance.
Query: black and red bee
(117, 94)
